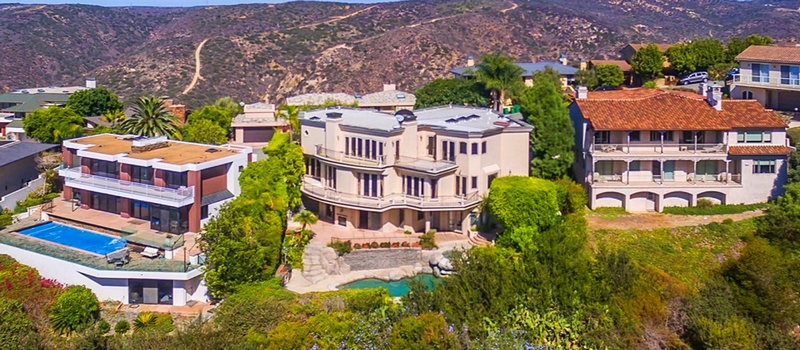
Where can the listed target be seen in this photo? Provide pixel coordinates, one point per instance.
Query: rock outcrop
(320, 262)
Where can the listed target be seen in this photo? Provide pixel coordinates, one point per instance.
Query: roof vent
(334, 115)
(212, 150)
(314, 118)
(401, 96)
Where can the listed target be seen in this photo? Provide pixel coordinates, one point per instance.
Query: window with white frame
(763, 167)
(747, 95)
(760, 73)
(754, 136)
(790, 75)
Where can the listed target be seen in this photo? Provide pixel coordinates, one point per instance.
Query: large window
(760, 73)
(175, 179)
(747, 95)
(370, 185)
(707, 167)
(363, 148)
(432, 146)
(140, 210)
(756, 136)
(105, 169)
(449, 151)
(461, 185)
(168, 219)
(763, 167)
(105, 202)
(150, 292)
(475, 148)
(655, 136)
(414, 186)
(635, 136)
(462, 147)
(330, 177)
(689, 136)
(142, 174)
(790, 75)
(483, 147)
(602, 137)
(313, 167)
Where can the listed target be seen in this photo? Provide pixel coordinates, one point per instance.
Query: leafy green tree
(738, 44)
(14, 324)
(782, 219)
(699, 54)
(292, 114)
(609, 75)
(587, 78)
(519, 201)
(230, 106)
(648, 62)
(552, 139)
(93, 102)
(53, 124)
(426, 331)
(151, 118)
(204, 131)
(305, 218)
(113, 116)
(466, 92)
(291, 158)
(793, 169)
(6, 217)
(217, 115)
(502, 76)
(75, 310)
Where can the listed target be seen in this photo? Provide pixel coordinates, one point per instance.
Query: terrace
(75, 178)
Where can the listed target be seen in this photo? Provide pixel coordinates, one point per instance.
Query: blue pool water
(76, 238)
(396, 288)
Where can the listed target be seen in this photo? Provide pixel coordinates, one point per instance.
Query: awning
(491, 169)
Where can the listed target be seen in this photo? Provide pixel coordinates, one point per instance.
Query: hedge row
(714, 210)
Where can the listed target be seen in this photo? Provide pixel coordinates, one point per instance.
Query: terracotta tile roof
(758, 150)
(619, 63)
(776, 54)
(652, 109)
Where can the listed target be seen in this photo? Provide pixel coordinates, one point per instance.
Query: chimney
(582, 93)
(563, 59)
(389, 87)
(91, 83)
(714, 96)
(582, 65)
(702, 89)
(145, 144)
(470, 61)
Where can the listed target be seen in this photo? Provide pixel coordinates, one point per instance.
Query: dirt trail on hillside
(196, 76)
(653, 221)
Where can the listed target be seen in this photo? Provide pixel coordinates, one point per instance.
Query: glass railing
(376, 160)
(176, 196)
(391, 199)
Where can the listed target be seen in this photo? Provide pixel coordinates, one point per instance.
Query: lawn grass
(687, 253)
(607, 213)
(714, 210)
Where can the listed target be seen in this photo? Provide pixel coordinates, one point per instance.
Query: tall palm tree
(291, 113)
(500, 75)
(305, 218)
(113, 117)
(151, 118)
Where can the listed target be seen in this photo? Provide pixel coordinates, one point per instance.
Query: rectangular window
(474, 182)
(790, 75)
(204, 212)
(347, 146)
(763, 167)
(475, 148)
(635, 166)
(635, 136)
(754, 136)
(462, 147)
(605, 168)
(760, 73)
(655, 136)
(175, 179)
(483, 147)
(432, 146)
(706, 167)
(434, 189)
(602, 137)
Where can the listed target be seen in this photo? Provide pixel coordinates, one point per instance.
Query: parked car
(696, 77)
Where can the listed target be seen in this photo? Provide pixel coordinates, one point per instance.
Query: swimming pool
(397, 288)
(74, 237)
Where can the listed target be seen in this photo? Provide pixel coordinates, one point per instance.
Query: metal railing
(766, 80)
(432, 166)
(641, 148)
(391, 199)
(376, 160)
(174, 196)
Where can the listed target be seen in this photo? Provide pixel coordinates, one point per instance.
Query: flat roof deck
(178, 153)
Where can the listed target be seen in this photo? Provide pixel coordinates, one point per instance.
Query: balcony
(708, 180)
(425, 165)
(747, 79)
(651, 149)
(390, 201)
(73, 177)
(341, 157)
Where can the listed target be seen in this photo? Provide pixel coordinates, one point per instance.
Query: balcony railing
(430, 166)
(157, 194)
(763, 80)
(658, 148)
(721, 178)
(392, 200)
(377, 160)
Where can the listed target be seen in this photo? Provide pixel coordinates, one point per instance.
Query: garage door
(258, 134)
(788, 100)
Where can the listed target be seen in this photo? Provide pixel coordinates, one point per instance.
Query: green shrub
(426, 331)
(385, 245)
(704, 203)
(519, 201)
(341, 247)
(649, 85)
(258, 306)
(6, 217)
(76, 309)
(14, 323)
(427, 240)
(571, 196)
(714, 209)
(155, 321)
(122, 327)
(103, 327)
(408, 232)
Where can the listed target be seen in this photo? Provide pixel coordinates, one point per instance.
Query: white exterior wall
(109, 284)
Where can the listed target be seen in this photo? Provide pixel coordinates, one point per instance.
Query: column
(661, 169)
(628, 171)
(629, 143)
(694, 172)
(727, 170)
(193, 179)
(662, 146)
(591, 171)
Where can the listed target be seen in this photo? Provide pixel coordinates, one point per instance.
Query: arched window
(747, 95)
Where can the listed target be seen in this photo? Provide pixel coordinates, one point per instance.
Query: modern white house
(647, 149)
(769, 75)
(416, 171)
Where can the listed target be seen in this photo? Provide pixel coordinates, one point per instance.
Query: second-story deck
(430, 166)
(425, 165)
(75, 178)
(766, 81)
(377, 161)
(667, 149)
(314, 189)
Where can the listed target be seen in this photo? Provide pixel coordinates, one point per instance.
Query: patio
(134, 230)
(325, 232)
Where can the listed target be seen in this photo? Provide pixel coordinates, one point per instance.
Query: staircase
(482, 239)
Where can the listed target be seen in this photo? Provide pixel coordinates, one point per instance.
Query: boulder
(445, 264)
(329, 254)
(332, 268)
(435, 258)
(344, 268)
(436, 271)
(395, 275)
(427, 269)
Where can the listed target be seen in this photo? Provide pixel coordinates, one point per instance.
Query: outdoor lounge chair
(716, 149)
(150, 252)
(118, 256)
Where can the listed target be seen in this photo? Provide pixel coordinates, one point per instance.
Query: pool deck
(299, 284)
